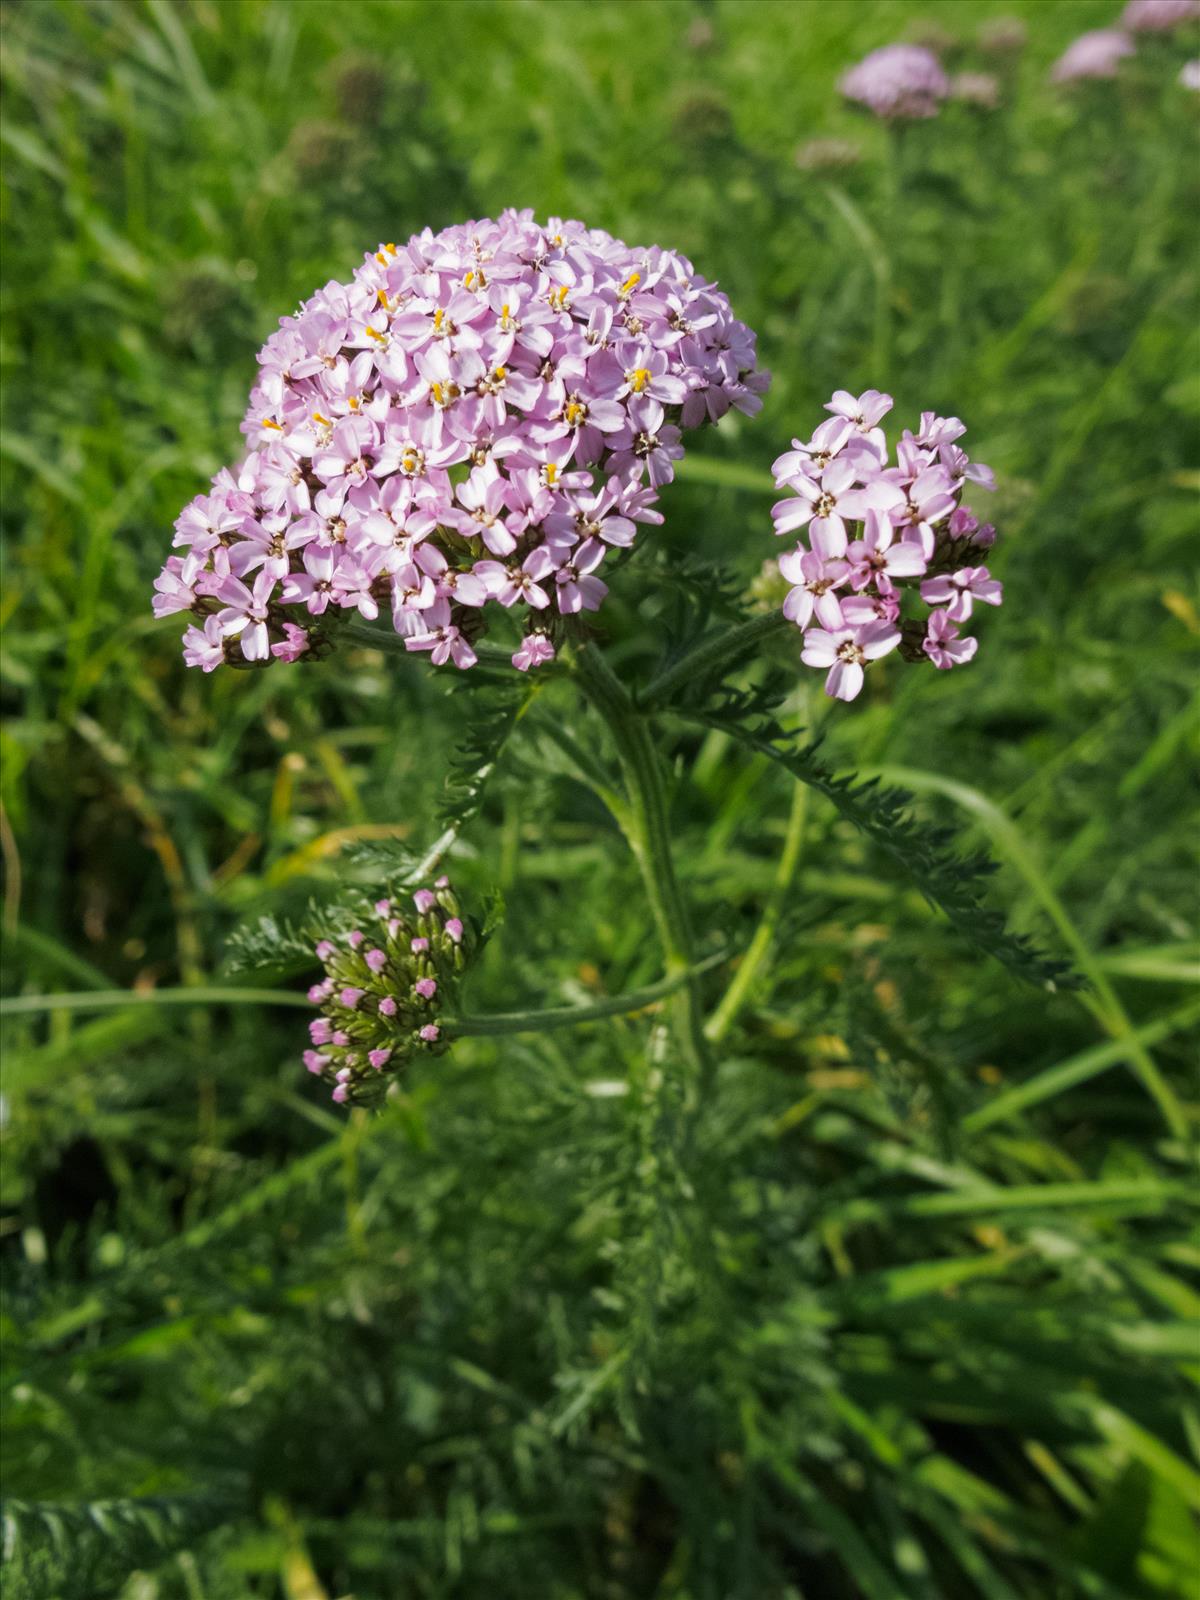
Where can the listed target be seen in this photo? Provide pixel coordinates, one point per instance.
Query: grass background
(921, 1321)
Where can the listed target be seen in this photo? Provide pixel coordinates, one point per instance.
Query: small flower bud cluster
(898, 81)
(385, 988)
(479, 417)
(883, 536)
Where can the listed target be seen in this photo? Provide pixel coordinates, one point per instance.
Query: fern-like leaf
(268, 944)
(494, 712)
(82, 1552)
(950, 880)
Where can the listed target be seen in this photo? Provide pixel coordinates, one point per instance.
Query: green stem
(750, 966)
(720, 651)
(617, 1005)
(108, 999)
(644, 823)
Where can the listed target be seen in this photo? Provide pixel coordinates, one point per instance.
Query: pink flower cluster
(898, 81)
(1096, 54)
(881, 536)
(1099, 53)
(481, 415)
(1158, 16)
(384, 990)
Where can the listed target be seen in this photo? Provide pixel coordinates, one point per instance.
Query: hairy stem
(753, 961)
(720, 651)
(644, 823)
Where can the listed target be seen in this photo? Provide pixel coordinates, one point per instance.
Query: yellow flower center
(638, 379)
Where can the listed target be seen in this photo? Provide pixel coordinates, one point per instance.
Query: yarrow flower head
(385, 989)
(1158, 16)
(898, 81)
(884, 538)
(478, 418)
(1097, 54)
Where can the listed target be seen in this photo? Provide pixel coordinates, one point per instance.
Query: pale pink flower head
(535, 651)
(883, 538)
(901, 81)
(205, 647)
(293, 644)
(942, 644)
(875, 559)
(846, 652)
(1097, 54)
(815, 581)
(503, 389)
(1189, 75)
(958, 591)
(825, 506)
(1158, 16)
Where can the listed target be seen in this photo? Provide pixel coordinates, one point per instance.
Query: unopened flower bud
(425, 987)
(376, 960)
(424, 900)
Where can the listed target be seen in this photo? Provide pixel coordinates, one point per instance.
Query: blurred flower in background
(1158, 16)
(898, 81)
(1097, 54)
